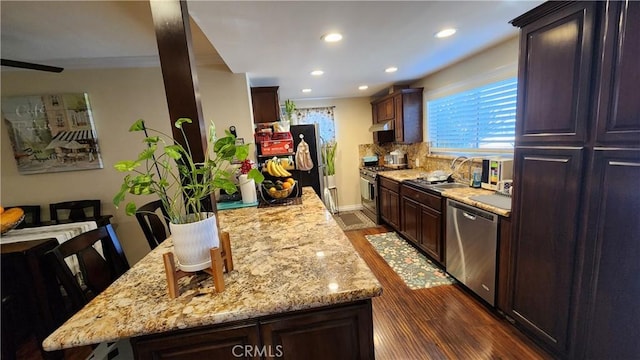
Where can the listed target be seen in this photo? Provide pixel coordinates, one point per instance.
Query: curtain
(323, 116)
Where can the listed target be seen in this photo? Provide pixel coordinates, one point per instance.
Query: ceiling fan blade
(31, 66)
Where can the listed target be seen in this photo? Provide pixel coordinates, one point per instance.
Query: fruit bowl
(278, 189)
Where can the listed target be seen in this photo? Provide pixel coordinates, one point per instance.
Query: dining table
(25, 275)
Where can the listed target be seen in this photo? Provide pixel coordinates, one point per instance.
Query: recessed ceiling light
(317, 72)
(391, 69)
(445, 33)
(306, 90)
(332, 37)
(363, 87)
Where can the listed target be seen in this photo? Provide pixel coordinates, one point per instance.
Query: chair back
(96, 272)
(152, 217)
(31, 215)
(75, 210)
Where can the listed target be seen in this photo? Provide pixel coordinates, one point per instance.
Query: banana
(276, 168)
(283, 172)
(270, 168)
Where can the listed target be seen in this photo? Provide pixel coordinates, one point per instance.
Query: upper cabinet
(555, 74)
(403, 109)
(266, 105)
(618, 111)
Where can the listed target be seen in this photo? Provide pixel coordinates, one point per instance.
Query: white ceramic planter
(192, 242)
(331, 181)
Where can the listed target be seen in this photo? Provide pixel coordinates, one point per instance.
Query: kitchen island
(297, 282)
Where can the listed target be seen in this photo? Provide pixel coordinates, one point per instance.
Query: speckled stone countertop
(286, 258)
(461, 194)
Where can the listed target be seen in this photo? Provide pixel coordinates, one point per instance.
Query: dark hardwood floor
(437, 323)
(443, 322)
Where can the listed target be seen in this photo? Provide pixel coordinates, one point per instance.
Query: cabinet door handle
(468, 216)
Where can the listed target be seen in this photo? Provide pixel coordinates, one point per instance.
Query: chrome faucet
(457, 168)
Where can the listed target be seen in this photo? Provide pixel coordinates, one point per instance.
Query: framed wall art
(51, 133)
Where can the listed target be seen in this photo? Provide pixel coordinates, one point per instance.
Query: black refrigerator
(315, 176)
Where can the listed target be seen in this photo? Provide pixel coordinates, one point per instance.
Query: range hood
(383, 126)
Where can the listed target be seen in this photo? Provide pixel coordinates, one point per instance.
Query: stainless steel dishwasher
(471, 248)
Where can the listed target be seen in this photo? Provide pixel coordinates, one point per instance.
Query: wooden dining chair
(96, 272)
(31, 215)
(75, 210)
(152, 218)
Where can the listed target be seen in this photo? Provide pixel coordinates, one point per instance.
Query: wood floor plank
(443, 322)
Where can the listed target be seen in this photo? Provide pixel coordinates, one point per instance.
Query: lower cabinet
(339, 332)
(389, 206)
(422, 221)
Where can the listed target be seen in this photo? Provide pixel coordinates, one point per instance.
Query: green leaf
(120, 195)
(222, 142)
(242, 152)
(131, 209)
(212, 132)
(147, 153)
(256, 175)
(181, 121)
(126, 165)
(174, 151)
(151, 139)
(137, 126)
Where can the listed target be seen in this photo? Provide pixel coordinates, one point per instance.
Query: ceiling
(275, 43)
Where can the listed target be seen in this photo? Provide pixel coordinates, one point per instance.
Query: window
(323, 116)
(478, 120)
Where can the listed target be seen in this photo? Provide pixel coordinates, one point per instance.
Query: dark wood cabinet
(572, 279)
(389, 205)
(502, 270)
(610, 305)
(343, 334)
(618, 110)
(546, 210)
(265, 103)
(422, 221)
(405, 110)
(227, 342)
(336, 332)
(555, 73)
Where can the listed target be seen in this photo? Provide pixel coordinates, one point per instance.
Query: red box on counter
(280, 143)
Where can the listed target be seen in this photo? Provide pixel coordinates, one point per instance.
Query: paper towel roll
(247, 189)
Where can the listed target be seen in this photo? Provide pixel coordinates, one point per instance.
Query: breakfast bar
(297, 283)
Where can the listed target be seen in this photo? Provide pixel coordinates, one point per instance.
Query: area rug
(353, 220)
(415, 269)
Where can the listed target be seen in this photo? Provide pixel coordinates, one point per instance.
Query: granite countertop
(286, 258)
(461, 194)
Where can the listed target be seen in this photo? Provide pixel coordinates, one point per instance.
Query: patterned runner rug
(415, 269)
(353, 220)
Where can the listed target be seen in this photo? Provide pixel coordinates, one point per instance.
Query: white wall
(496, 63)
(118, 97)
(352, 119)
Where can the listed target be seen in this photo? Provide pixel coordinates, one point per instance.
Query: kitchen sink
(449, 186)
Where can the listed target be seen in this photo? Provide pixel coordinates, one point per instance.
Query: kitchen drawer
(432, 201)
(390, 184)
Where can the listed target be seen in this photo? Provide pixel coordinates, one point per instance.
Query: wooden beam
(173, 34)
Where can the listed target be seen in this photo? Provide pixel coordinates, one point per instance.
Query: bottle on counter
(476, 178)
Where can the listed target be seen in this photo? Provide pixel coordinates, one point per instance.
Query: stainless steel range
(369, 190)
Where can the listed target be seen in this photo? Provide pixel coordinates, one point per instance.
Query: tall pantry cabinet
(574, 274)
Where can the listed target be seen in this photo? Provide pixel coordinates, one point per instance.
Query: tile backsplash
(420, 152)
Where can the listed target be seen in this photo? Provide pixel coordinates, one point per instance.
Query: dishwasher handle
(468, 216)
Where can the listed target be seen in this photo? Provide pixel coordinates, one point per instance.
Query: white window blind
(482, 118)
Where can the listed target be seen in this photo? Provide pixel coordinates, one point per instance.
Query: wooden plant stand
(220, 257)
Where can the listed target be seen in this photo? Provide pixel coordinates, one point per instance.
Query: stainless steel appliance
(471, 248)
(369, 190)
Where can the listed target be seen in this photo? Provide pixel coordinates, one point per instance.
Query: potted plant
(289, 108)
(167, 169)
(328, 150)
